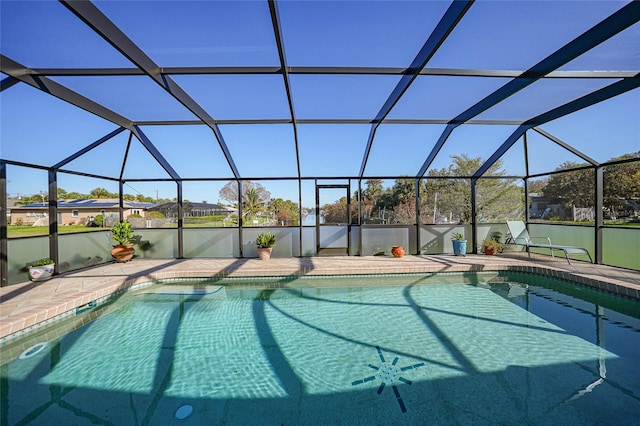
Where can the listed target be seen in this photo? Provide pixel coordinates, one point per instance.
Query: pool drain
(33, 350)
(183, 412)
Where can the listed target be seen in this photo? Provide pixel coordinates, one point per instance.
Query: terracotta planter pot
(264, 253)
(123, 252)
(397, 251)
(489, 251)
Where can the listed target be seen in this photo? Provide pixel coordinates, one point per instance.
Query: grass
(15, 231)
(625, 224)
(620, 223)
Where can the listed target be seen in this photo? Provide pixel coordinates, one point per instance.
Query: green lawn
(569, 222)
(15, 231)
(625, 224)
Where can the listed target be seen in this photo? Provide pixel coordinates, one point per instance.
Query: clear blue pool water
(481, 349)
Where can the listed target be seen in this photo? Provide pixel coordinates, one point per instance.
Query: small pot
(123, 252)
(397, 251)
(41, 273)
(264, 253)
(459, 247)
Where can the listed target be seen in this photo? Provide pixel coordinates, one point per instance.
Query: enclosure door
(332, 220)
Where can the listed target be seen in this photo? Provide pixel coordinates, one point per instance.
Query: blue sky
(506, 35)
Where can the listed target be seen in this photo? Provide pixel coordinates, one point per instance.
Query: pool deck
(28, 306)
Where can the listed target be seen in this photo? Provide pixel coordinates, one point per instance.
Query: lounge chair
(520, 236)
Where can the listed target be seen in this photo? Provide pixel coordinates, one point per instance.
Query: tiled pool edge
(40, 316)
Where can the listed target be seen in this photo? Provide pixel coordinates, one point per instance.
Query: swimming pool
(411, 349)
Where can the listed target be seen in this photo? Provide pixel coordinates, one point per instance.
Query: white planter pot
(41, 273)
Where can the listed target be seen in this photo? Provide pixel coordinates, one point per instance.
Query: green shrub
(122, 233)
(265, 240)
(43, 262)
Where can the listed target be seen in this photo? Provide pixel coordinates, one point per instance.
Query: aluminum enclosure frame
(547, 68)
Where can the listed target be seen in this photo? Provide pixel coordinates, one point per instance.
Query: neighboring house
(541, 207)
(76, 212)
(545, 208)
(189, 209)
(11, 204)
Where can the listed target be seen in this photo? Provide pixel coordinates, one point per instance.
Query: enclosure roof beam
(89, 148)
(277, 31)
(447, 23)
(614, 24)
(18, 71)
(619, 21)
(320, 121)
(323, 70)
(95, 19)
(8, 82)
(592, 98)
(566, 146)
(155, 153)
(607, 92)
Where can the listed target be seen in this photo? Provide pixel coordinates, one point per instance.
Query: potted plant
(41, 270)
(122, 234)
(459, 244)
(265, 242)
(491, 246)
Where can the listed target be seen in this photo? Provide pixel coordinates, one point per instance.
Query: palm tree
(252, 203)
(100, 193)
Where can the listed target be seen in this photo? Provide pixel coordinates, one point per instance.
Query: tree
(144, 199)
(497, 198)
(74, 196)
(454, 195)
(399, 202)
(40, 198)
(285, 211)
(254, 197)
(336, 212)
(373, 189)
(536, 185)
(252, 204)
(229, 192)
(101, 193)
(573, 187)
(622, 186)
(370, 196)
(450, 198)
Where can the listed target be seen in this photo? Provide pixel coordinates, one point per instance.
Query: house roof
(92, 204)
(188, 205)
